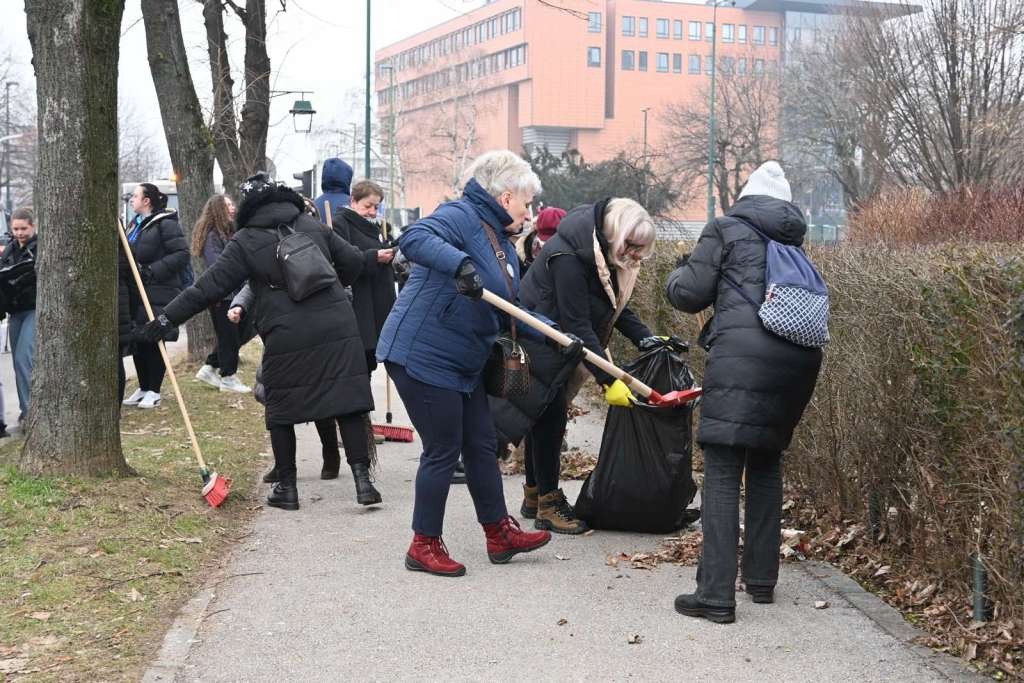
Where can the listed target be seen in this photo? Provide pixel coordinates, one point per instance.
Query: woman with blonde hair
(582, 279)
(212, 231)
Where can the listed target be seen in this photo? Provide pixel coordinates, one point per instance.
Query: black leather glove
(648, 343)
(155, 330)
(468, 282)
(574, 350)
(146, 273)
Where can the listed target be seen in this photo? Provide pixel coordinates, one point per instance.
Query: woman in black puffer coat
(313, 366)
(756, 386)
(159, 248)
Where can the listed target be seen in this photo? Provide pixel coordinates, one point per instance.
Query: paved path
(321, 595)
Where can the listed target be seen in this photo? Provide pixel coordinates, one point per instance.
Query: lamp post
(712, 124)
(391, 137)
(7, 145)
(355, 144)
(302, 111)
(366, 148)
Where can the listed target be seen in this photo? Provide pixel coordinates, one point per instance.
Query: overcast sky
(316, 45)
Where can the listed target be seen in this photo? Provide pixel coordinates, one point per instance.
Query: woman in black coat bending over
(756, 386)
(582, 279)
(159, 248)
(373, 292)
(313, 366)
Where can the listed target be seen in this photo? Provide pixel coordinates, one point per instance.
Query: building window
(628, 60)
(594, 22)
(759, 35)
(728, 64)
(643, 27)
(694, 30)
(741, 33)
(593, 56)
(727, 33)
(693, 64)
(662, 62)
(709, 32)
(758, 66)
(741, 66)
(677, 29)
(642, 63)
(677, 63)
(628, 26)
(661, 26)
(709, 65)
(794, 35)
(773, 36)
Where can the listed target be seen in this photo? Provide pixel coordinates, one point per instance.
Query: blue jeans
(762, 520)
(23, 345)
(451, 423)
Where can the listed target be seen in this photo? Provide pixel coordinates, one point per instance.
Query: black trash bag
(643, 480)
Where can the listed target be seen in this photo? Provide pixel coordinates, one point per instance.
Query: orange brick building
(517, 73)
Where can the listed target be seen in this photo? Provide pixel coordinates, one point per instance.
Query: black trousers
(121, 379)
(149, 366)
(230, 338)
(353, 435)
(544, 446)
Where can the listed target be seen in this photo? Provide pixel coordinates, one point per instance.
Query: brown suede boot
(529, 507)
(556, 515)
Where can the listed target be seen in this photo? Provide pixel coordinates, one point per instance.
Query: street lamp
(711, 117)
(302, 111)
(7, 146)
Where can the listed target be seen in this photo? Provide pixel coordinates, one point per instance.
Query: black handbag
(304, 267)
(507, 372)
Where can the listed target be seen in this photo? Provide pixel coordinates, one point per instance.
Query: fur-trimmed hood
(250, 215)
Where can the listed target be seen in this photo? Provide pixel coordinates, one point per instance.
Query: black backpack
(304, 267)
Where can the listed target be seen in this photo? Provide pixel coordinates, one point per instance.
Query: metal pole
(355, 144)
(391, 143)
(7, 146)
(711, 119)
(366, 149)
(646, 165)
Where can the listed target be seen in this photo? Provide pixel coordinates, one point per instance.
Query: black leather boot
(366, 494)
(332, 463)
(689, 605)
(284, 495)
(271, 477)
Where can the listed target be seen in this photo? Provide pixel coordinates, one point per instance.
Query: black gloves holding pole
(467, 281)
(155, 330)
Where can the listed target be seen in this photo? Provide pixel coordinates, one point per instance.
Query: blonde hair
(500, 171)
(626, 221)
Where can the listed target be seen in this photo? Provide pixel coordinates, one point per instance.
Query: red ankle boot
(505, 539)
(429, 554)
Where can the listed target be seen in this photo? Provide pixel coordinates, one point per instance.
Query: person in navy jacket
(436, 342)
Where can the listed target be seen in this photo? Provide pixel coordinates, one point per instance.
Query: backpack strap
(735, 285)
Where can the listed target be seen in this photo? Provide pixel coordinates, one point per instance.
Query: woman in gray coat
(756, 386)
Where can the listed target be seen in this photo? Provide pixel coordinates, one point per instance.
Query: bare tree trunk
(188, 138)
(73, 424)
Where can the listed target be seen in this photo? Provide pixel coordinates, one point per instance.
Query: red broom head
(394, 433)
(216, 490)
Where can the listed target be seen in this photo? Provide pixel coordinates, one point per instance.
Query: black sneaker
(459, 475)
(689, 605)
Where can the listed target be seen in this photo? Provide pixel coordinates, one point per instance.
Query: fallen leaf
(135, 595)
(635, 639)
(193, 539)
(821, 604)
(882, 571)
(40, 616)
(972, 652)
(563, 621)
(562, 557)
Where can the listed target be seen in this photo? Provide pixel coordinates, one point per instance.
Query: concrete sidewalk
(322, 595)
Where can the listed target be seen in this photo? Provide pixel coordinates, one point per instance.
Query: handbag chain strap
(499, 253)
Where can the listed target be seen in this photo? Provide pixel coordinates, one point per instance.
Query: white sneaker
(208, 374)
(231, 383)
(134, 399)
(150, 400)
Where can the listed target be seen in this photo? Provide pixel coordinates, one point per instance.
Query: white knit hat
(768, 180)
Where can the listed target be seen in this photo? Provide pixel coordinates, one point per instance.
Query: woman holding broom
(313, 366)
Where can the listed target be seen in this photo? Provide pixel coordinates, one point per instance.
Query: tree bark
(73, 426)
(188, 139)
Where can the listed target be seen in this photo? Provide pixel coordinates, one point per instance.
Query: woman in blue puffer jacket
(436, 341)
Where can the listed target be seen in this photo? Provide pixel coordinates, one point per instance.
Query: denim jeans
(23, 345)
(451, 423)
(762, 519)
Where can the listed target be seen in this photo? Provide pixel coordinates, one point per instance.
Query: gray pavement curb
(889, 620)
(179, 639)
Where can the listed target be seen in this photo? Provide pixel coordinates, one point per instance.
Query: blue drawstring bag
(795, 305)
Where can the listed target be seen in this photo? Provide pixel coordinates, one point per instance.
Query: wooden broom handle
(163, 350)
(553, 334)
